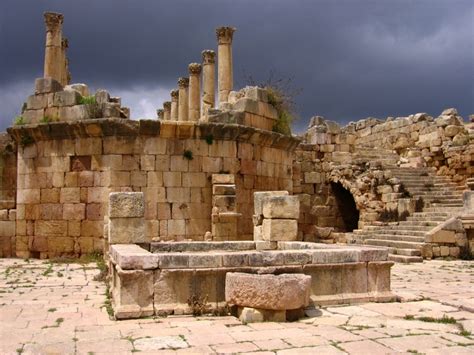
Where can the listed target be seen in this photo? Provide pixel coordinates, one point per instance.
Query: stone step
(442, 209)
(402, 232)
(419, 223)
(401, 227)
(405, 259)
(401, 238)
(431, 214)
(426, 219)
(406, 252)
(394, 244)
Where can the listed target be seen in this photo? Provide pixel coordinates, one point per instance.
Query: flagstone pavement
(58, 308)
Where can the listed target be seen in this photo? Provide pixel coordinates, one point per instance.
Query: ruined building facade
(398, 182)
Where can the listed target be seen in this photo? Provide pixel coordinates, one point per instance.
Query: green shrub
(209, 139)
(188, 154)
(19, 120)
(87, 100)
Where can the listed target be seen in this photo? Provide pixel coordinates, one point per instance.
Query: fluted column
(224, 64)
(183, 85)
(208, 81)
(194, 91)
(53, 59)
(160, 113)
(167, 110)
(174, 105)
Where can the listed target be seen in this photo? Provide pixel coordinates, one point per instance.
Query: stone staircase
(405, 239)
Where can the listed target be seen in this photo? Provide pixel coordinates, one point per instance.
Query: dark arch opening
(346, 205)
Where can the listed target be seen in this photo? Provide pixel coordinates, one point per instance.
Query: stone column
(194, 91)
(53, 59)
(65, 74)
(208, 81)
(174, 105)
(167, 110)
(224, 65)
(183, 85)
(160, 113)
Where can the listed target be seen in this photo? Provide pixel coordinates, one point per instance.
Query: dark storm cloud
(352, 59)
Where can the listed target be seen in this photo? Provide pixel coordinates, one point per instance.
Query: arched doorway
(346, 205)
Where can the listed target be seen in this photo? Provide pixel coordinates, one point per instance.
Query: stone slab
(274, 292)
(132, 257)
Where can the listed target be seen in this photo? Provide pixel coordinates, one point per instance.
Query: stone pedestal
(208, 82)
(224, 214)
(194, 91)
(167, 110)
(183, 109)
(224, 65)
(174, 105)
(53, 56)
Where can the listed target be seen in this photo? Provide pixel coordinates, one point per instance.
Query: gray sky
(351, 58)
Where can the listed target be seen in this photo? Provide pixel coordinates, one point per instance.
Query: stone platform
(174, 275)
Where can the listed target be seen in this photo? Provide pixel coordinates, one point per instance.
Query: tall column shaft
(53, 58)
(194, 91)
(174, 105)
(65, 67)
(224, 64)
(183, 85)
(208, 82)
(166, 110)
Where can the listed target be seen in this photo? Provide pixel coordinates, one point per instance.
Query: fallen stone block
(279, 229)
(259, 196)
(271, 292)
(66, 98)
(281, 207)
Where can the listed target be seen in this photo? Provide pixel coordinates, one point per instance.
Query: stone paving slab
(58, 308)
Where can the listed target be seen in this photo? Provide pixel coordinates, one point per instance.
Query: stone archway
(346, 205)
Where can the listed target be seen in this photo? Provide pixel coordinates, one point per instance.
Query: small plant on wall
(188, 154)
(19, 120)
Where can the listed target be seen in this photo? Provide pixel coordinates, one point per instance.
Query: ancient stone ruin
(209, 207)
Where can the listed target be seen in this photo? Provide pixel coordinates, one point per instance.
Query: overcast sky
(352, 59)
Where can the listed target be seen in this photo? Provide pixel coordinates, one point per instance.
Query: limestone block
(257, 233)
(281, 207)
(47, 85)
(444, 250)
(133, 257)
(259, 196)
(273, 292)
(223, 189)
(452, 130)
(127, 231)
(279, 229)
(204, 260)
(256, 93)
(227, 179)
(36, 102)
(82, 89)
(132, 293)
(110, 109)
(442, 236)
(265, 244)
(75, 113)
(102, 96)
(126, 204)
(33, 116)
(66, 98)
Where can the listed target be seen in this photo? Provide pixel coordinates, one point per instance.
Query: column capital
(64, 43)
(208, 56)
(53, 20)
(160, 113)
(174, 94)
(194, 69)
(167, 105)
(183, 83)
(225, 34)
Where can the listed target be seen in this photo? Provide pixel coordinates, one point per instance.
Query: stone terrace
(56, 308)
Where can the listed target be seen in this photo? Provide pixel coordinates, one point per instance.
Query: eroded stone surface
(274, 292)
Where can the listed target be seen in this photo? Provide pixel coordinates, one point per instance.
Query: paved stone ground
(59, 309)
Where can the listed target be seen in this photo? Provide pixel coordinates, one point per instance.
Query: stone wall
(67, 170)
(421, 140)
(8, 162)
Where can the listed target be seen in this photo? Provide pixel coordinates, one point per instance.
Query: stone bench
(265, 296)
